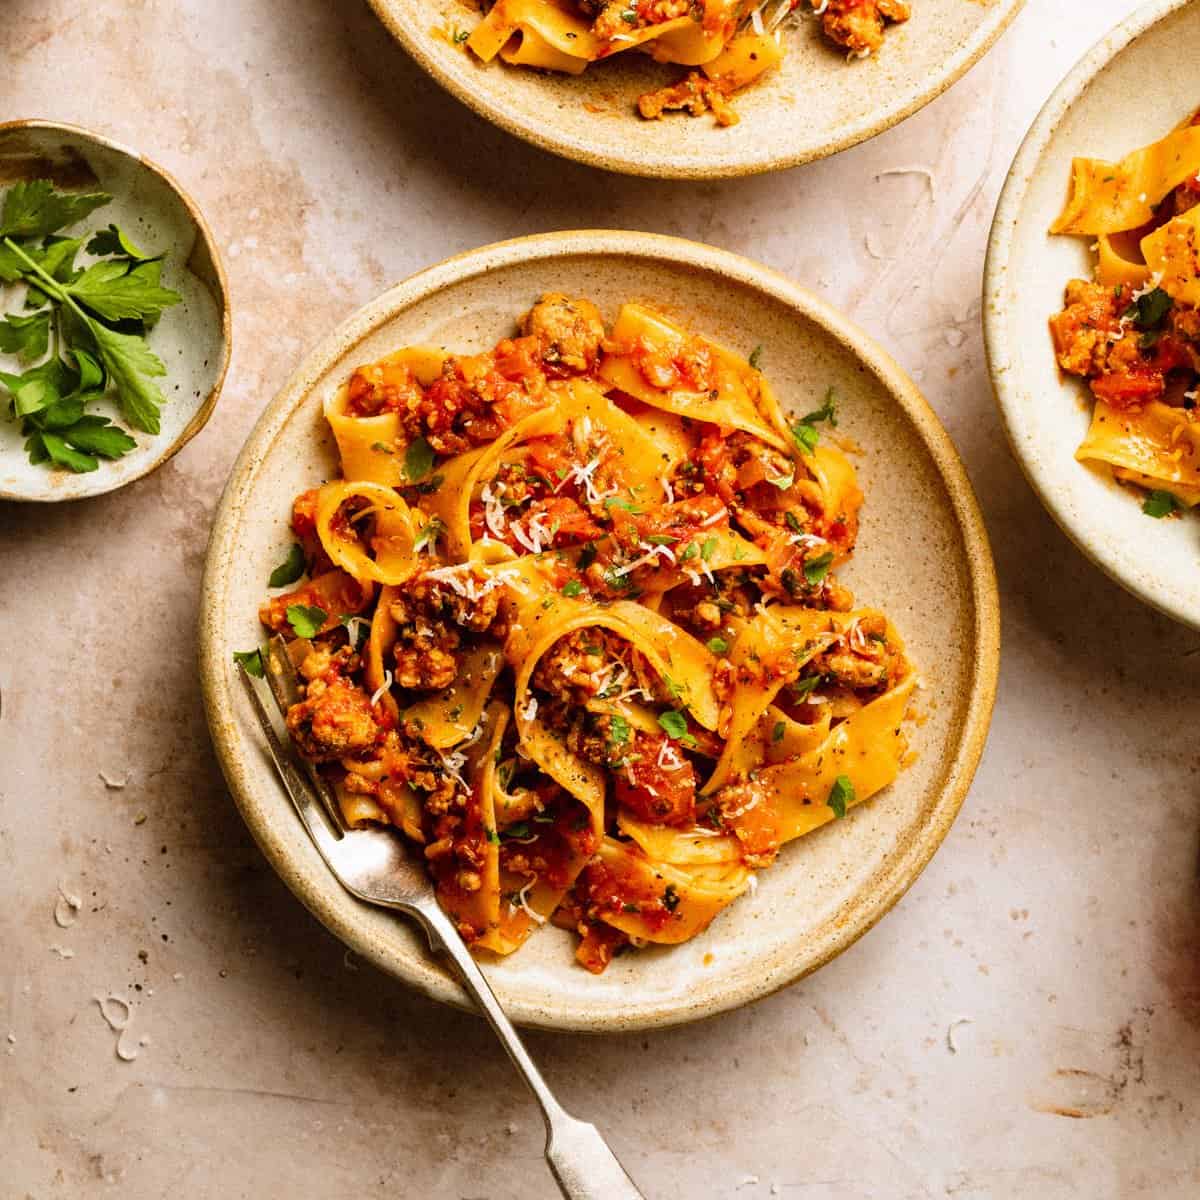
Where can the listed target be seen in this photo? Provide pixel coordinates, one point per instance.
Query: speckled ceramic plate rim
(200, 419)
(1153, 590)
(320, 892)
(871, 124)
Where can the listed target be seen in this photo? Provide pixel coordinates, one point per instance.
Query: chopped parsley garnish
(1149, 311)
(817, 568)
(572, 587)
(251, 661)
(382, 448)
(618, 730)
(629, 16)
(1160, 504)
(674, 724)
(430, 532)
(793, 522)
(778, 732)
(756, 357)
(418, 460)
(306, 619)
(688, 552)
(661, 539)
(804, 432)
(518, 829)
(491, 835)
(707, 550)
(628, 506)
(290, 569)
(429, 486)
(802, 687)
(841, 794)
(717, 645)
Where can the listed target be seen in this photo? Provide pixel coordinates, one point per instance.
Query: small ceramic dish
(1103, 109)
(815, 105)
(192, 338)
(923, 557)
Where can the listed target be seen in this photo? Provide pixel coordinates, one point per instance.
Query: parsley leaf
(26, 337)
(707, 550)
(113, 241)
(817, 568)
(1159, 504)
(306, 619)
(131, 366)
(756, 357)
(290, 569)
(418, 460)
(841, 794)
(34, 208)
(430, 532)
(804, 432)
(673, 724)
(251, 660)
(66, 456)
(618, 729)
(92, 434)
(778, 732)
(717, 645)
(689, 551)
(1149, 311)
(803, 687)
(572, 587)
(117, 292)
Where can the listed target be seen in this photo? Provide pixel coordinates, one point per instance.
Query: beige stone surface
(1060, 919)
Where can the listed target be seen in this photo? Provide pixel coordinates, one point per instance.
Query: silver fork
(374, 865)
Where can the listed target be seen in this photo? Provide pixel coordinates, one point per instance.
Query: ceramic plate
(1103, 109)
(814, 105)
(923, 557)
(192, 338)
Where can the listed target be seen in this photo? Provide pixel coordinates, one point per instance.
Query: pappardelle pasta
(571, 623)
(731, 42)
(1134, 331)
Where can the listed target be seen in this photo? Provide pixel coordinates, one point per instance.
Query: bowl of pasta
(683, 89)
(567, 538)
(1092, 306)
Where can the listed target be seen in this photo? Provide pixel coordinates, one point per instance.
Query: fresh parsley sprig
(83, 327)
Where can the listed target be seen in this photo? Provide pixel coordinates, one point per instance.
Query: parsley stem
(48, 283)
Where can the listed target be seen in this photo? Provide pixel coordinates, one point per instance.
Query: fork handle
(581, 1161)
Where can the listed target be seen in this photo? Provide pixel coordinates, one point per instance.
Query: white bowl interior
(1113, 103)
(912, 561)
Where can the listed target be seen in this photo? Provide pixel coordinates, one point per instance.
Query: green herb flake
(433, 529)
(290, 569)
(688, 552)
(250, 661)
(841, 795)
(673, 724)
(1161, 504)
(708, 548)
(717, 645)
(778, 732)
(418, 460)
(756, 357)
(306, 620)
(382, 448)
(618, 730)
(815, 569)
(572, 587)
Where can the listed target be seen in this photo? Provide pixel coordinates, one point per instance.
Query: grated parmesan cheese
(383, 687)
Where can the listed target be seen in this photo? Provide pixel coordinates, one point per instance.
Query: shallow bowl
(923, 557)
(816, 104)
(192, 338)
(1103, 109)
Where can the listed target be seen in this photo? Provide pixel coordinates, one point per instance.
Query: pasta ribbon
(1110, 197)
(1157, 446)
(1172, 254)
(372, 447)
(390, 555)
(732, 398)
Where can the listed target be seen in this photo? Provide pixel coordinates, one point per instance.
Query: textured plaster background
(1060, 918)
